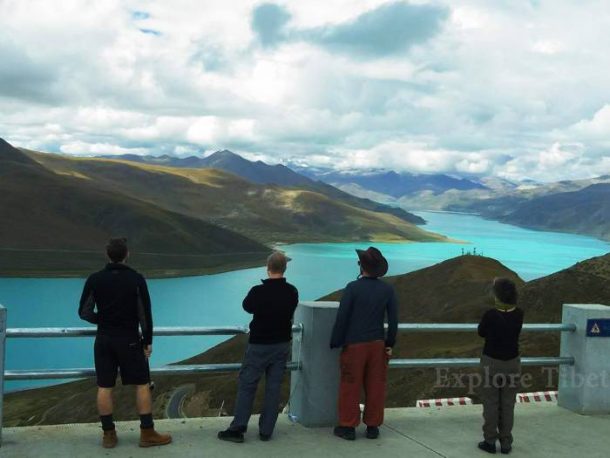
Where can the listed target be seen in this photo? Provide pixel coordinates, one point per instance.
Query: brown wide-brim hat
(373, 262)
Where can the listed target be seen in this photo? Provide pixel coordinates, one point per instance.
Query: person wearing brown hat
(366, 349)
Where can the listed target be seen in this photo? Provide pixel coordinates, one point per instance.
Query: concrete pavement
(541, 430)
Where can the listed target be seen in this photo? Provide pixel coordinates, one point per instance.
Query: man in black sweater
(273, 304)
(121, 298)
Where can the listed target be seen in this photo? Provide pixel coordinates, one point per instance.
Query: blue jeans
(260, 359)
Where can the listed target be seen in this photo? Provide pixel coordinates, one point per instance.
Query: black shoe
(264, 437)
(372, 432)
(345, 432)
(231, 436)
(506, 450)
(487, 447)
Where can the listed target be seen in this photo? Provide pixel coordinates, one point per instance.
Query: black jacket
(121, 297)
(501, 331)
(364, 306)
(272, 304)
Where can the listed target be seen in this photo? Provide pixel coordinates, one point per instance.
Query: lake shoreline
(153, 275)
(158, 274)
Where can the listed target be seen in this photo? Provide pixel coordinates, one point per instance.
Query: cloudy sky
(518, 89)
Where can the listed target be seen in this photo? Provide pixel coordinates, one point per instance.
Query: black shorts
(125, 353)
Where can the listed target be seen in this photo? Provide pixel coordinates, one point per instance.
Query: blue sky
(517, 89)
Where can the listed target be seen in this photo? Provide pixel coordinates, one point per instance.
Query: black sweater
(501, 331)
(121, 297)
(272, 304)
(364, 306)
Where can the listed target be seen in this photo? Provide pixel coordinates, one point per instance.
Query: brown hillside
(60, 224)
(267, 213)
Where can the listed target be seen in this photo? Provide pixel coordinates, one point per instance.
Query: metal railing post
(2, 353)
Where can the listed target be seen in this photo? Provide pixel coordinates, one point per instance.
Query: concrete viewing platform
(541, 430)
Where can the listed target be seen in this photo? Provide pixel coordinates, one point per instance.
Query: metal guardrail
(41, 374)
(471, 327)
(89, 331)
(178, 369)
(474, 362)
(174, 369)
(54, 332)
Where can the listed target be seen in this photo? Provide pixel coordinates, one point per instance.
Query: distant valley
(180, 221)
(577, 206)
(528, 204)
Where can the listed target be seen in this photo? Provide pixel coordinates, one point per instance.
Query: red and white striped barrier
(538, 396)
(445, 402)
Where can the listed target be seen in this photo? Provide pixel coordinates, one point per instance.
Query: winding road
(176, 401)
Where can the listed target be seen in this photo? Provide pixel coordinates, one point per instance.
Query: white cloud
(510, 88)
(93, 149)
(598, 127)
(547, 47)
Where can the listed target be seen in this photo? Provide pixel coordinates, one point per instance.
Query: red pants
(363, 365)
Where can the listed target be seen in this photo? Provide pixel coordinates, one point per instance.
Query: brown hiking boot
(110, 439)
(151, 438)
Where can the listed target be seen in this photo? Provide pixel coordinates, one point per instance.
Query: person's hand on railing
(147, 350)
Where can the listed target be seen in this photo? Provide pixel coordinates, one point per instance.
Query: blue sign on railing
(598, 327)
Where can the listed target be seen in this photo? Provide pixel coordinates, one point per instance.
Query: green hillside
(457, 290)
(267, 213)
(58, 224)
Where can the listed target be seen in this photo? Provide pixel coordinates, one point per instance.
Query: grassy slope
(269, 214)
(456, 290)
(59, 223)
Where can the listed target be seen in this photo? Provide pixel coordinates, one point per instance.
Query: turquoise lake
(316, 269)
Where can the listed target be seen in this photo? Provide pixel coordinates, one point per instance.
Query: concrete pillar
(2, 353)
(585, 387)
(315, 387)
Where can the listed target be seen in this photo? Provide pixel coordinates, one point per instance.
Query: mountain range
(397, 185)
(178, 220)
(454, 291)
(576, 206)
(255, 172)
(261, 173)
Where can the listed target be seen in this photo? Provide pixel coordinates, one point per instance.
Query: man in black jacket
(272, 304)
(121, 298)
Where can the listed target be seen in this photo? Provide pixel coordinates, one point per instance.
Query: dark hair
(116, 249)
(505, 291)
(276, 262)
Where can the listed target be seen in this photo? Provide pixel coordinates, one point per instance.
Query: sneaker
(109, 440)
(372, 432)
(506, 450)
(345, 432)
(264, 437)
(230, 435)
(487, 447)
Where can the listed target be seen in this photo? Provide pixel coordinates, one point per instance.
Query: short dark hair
(116, 249)
(505, 291)
(277, 262)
